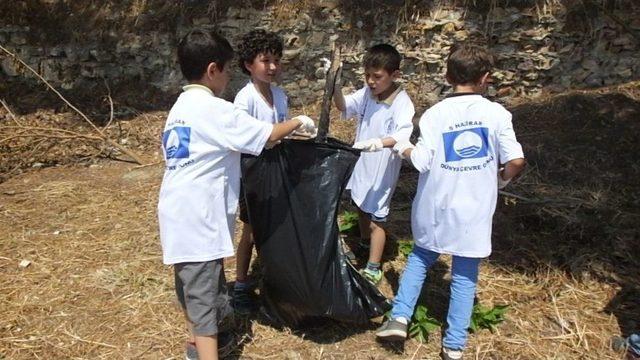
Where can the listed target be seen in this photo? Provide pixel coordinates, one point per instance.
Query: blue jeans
(463, 289)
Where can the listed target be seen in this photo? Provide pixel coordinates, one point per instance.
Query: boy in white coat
(463, 140)
(384, 112)
(259, 54)
(202, 141)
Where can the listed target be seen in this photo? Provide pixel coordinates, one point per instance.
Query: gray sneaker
(392, 330)
(190, 352)
(450, 354)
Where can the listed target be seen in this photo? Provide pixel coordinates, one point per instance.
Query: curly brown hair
(258, 42)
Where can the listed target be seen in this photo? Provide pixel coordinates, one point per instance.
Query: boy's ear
(396, 74)
(212, 69)
(247, 65)
(484, 79)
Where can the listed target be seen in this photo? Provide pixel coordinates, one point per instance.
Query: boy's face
(265, 67)
(379, 80)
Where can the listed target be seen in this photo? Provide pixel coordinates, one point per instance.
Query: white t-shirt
(375, 174)
(463, 140)
(202, 141)
(250, 101)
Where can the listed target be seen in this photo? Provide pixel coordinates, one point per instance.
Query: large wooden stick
(113, 143)
(323, 123)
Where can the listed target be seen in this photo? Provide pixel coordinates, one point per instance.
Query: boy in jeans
(259, 56)
(384, 112)
(464, 139)
(202, 141)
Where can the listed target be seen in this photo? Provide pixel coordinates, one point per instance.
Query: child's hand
(502, 183)
(307, 126)
(369, 145)
(401, 146)
(271, 144)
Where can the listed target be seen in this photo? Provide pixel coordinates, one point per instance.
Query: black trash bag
(292, 193)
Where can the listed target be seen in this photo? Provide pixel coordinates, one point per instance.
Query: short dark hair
(257, 42)
(467, 63)
(382, 56)
(199, 48)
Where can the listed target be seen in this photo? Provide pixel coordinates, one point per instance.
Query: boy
(202, 141)
(463, 139)
(259, 56)
(384, 113)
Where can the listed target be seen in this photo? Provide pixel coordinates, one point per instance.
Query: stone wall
(538, 49)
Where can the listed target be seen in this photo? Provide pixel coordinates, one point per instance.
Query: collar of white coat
(389, 99)
(197, 87)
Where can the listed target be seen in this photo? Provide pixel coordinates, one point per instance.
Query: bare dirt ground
(81, 275)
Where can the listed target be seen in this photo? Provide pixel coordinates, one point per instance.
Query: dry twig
(11, 114)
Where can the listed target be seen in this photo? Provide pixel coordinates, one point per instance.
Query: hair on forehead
(382, 56)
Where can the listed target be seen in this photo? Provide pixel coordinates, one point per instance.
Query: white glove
(401, 146)
(308, 126)
(369, 145)
(502, 182)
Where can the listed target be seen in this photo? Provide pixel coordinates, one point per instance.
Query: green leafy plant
(348, 221)
(405, 247)
(487, 318)
(422, 324)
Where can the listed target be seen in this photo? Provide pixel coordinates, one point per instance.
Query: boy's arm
(243, 133)
(510, 152)
(421, 155)
(338, 98)
(403, 117)
(512, 169)
(280, 130)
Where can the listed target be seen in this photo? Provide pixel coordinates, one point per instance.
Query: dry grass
(95, 287)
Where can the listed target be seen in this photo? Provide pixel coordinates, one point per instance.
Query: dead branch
(49, 136)
(110, 105)
(566, 201)
(332, 76)
(128, 152)
(11, 114)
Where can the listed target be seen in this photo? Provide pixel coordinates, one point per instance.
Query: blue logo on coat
(176, 142)
(466, 144)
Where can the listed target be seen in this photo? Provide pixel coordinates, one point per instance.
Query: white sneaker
(451, 354)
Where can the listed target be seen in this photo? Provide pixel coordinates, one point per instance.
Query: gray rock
(9, 67)
(594, 80)
(18, 38)
(50, 70)
(320, 73)
(315, 39)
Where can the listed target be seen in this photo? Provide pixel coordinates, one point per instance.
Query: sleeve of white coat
(244, 133)
(403, 119)
(354, 103)
(424, 152)
(509, 146)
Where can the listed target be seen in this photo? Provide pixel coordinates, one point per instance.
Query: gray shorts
(202, 291)
(371, 217)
